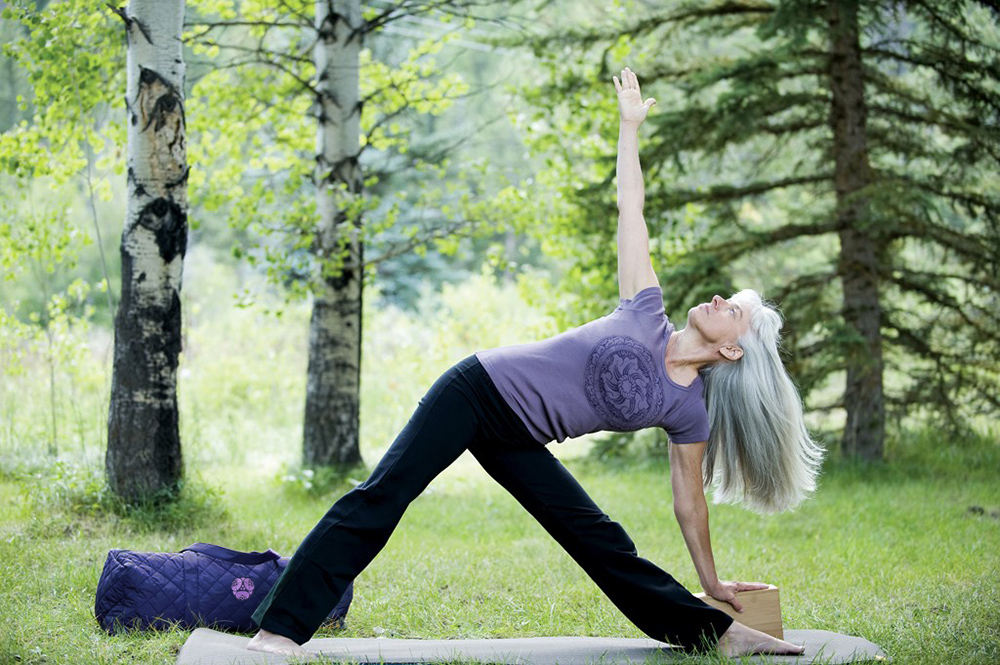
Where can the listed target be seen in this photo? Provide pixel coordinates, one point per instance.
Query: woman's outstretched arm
(635, 271)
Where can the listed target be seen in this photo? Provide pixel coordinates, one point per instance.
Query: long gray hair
(759, 452)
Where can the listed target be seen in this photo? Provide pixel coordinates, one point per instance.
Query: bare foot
(274, 643)
(741, 640)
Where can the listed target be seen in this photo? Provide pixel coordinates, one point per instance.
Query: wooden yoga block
(761, 610)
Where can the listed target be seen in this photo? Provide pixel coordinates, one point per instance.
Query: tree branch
(944, 300)
(721, 193)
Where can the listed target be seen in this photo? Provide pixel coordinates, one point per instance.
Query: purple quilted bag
(200, 585)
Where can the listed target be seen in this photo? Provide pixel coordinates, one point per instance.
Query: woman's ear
(731, 352)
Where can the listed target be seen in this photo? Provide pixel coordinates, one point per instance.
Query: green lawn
(892, 553)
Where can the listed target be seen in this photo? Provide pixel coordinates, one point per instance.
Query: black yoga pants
(464, 411)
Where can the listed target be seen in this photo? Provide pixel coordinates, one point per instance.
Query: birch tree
(144, 448)
(330, 431)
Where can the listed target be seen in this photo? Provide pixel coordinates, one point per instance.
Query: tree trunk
(330, 432)
(860, 246)
(144, 449)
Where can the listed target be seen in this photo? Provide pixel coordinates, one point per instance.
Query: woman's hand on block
(726, 592)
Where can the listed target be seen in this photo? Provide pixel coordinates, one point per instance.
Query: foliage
(650, 443)
(64, 100)
(61, 487)
(69, 134)
(42, 241)
(51, 353)
(255, 97)
(251, 136)
(321, 481)
(927, 453)
(737, 157)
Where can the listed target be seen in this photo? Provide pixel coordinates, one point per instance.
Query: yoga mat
(210, 647)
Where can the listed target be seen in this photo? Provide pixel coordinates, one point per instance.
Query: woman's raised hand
(631, 108)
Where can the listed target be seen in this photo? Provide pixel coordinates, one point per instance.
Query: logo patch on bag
(242, 587)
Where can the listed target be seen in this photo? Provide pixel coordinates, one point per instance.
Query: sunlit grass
(901, 561)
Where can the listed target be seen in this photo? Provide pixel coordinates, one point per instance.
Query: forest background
(489, 219)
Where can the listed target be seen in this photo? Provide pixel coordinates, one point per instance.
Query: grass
(883, 552)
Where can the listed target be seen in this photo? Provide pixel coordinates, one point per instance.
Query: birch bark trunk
(861, 248)
(144, 449)
(330, 432)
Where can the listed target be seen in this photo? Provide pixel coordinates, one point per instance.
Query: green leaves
(253, 124)
(73, 54)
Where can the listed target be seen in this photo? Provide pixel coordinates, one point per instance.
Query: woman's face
(719, 321)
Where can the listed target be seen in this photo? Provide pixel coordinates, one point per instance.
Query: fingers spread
(618, 86)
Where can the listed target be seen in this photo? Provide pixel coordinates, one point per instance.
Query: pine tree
(842, 153)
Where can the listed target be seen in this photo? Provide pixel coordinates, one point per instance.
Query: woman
(625, 371)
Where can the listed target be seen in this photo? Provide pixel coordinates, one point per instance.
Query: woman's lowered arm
(691, 511)
(635, 271)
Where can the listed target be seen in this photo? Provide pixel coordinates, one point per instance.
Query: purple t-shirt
(608, 374)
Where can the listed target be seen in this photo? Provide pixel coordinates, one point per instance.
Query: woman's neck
(685, 356)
